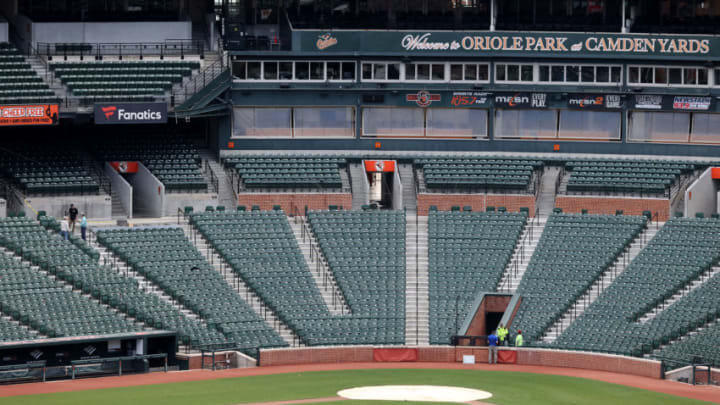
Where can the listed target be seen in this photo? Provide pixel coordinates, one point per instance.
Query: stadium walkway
(703, 393)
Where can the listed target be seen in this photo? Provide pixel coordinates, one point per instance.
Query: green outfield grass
(508, 388)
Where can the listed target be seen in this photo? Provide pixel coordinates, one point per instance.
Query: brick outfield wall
(444, 354)
(291, 201)
(478, 202)
(608, 205)
(701, 376)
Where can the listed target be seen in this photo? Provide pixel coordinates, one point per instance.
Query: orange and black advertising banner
(46, 114)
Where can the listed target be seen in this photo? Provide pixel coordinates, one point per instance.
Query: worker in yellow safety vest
(502, 333)
(519, 339)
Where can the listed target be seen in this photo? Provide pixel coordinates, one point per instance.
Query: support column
(493, 8)
(624, 29)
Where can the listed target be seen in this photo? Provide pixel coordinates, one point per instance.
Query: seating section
(11, 332)
(37, 170)
(40, 302)
(625, 176)
(111, 81)
(165, 257)
(497, 173)
(704, 345)
(365, 250)
(468, 253)
(261, 248)
(19, 83)
(76, 263)
(287, 172)
(682, 250)
(173, 160)
(573, 252)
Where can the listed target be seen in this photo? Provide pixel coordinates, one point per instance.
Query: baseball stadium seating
(365, 250)
(40, 302)
(20, 84)
(287, 172)
(174, 161)
(261, 248)
(496, 173)
(468, 253)
(682, 250)
(76, 264)
(625, 176)
(40, 171)
(10, 332)
(111, 81)
(702, 344)
(573, 251)
(165, 257)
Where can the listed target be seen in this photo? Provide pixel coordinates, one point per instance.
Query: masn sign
(130, 113)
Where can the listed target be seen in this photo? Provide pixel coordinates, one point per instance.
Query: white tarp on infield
(424, 393)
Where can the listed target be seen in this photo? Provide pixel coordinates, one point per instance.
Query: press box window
(513, 73)
(470, 72)
(667, 76)
(586, 74)
(425, 71)
(381, 71)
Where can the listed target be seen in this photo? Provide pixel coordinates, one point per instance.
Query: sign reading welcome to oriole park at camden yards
(513, 43)
(11, 115)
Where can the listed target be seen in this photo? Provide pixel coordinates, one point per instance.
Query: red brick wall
(195, 360)
(349, 354)
(590, 361)
(701, 375)
(290, 201)
(436, 354)
(526, 356)
(478, 202)
(608, 205)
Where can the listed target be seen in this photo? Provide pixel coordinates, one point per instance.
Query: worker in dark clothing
(73, 213)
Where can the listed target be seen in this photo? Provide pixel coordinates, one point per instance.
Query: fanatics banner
(130, 113)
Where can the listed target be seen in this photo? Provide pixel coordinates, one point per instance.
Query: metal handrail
(170, 47)
(318, 257)
(214, 182)
(200, 80)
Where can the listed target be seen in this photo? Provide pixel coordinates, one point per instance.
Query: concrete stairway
(39, 65)
(345, 180)
(108, 258)
(358, 184)
(713, 271)
(226, 195)
(524, 250)
(546, 199)
(417, 304)
(407, 176)
(324, 278)
(118, 210)
(255, 302)
(601, 284)
(187, 87)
